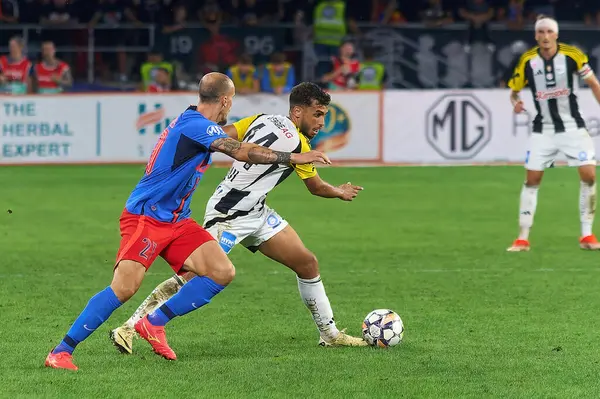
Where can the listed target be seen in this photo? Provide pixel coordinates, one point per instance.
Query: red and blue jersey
(175, 168)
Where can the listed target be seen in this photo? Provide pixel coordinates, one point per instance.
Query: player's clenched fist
(310, 157)
(349, 191)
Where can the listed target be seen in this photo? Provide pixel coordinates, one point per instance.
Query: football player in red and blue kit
(156, 222)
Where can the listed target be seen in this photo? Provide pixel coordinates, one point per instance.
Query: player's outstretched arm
(517, 103)
(320, 188)
(594, 85)
(255, 154)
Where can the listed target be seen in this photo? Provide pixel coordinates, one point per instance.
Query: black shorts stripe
(264, 174)
(231, 199)
(222, 219)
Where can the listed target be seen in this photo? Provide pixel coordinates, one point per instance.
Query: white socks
(314, 297)
(159, 295)
(527, 206)
(587, 207)
(528, 203)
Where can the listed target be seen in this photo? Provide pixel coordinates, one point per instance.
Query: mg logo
(151, 119)
(458, 126)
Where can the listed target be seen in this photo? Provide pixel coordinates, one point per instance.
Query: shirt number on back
(158, 147)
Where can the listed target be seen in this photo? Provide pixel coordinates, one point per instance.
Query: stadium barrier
(392, 127)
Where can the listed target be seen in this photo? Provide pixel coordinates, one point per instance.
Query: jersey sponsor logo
(551, 94)
(227, 241)
(275, 120)
(281, 126)
(214, 129)
(459, 126)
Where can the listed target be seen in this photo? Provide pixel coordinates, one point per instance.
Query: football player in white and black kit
(550, 69)
(237, 212)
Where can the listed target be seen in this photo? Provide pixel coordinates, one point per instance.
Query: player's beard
(222, 122)
(305, 130)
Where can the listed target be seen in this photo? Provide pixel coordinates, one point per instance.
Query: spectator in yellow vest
(278, 76)
(372, 75)
(244, 76)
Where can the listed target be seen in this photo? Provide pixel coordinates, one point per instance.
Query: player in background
(549, 70)
(237, 213)
(156, 221)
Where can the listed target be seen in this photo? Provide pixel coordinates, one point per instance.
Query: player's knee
(533, 178)
(223, 273)
(308, 266)
(127, 279)
(588, 175)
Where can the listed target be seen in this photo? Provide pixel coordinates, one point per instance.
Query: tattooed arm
(255, 154)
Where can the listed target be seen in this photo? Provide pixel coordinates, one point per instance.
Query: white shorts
(250, 230)
(576, 144)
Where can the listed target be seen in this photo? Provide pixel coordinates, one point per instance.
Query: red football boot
(60, 360)
(590, 243)
(519, 245)
(155, 335)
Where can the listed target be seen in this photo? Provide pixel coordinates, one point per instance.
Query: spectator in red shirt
(220, 51)
(343, 70)
(51, 74)
(15, 69)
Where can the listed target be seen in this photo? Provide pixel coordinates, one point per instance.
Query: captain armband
(586, 71)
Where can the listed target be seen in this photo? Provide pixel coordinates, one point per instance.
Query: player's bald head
(214, 86)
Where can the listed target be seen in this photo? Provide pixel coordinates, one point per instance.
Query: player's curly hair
(306, 93)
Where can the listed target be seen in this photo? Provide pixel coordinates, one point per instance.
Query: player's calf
(587, 207)
(122, 337)
(214, 271)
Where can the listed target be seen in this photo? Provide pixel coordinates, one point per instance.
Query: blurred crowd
(328, 24)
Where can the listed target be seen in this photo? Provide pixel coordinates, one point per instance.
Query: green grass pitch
(428, 243)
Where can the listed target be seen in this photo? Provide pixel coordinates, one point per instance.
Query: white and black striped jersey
(245, 187)
(552, 85)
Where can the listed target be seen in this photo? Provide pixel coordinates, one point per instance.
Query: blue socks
(98, 309)
(193, 295)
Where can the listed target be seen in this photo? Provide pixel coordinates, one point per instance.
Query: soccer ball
(383, 328)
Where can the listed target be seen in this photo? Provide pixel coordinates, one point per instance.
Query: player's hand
(310, 157)
(519, 107)
(349, 191)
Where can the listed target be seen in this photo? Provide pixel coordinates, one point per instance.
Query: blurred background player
(548, 69)
(156, 221)
(237, 213)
